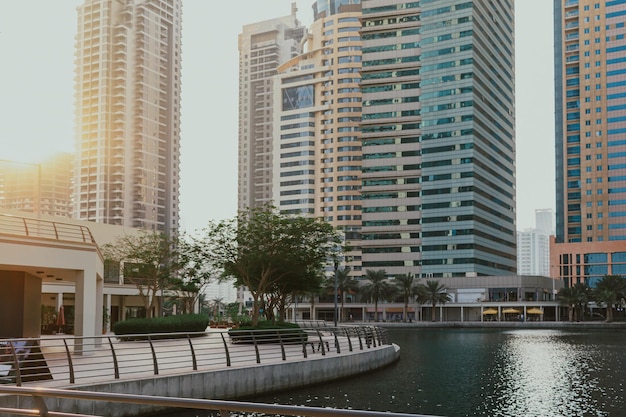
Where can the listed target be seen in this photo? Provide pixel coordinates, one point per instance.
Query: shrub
(268, 332)
(185, 323)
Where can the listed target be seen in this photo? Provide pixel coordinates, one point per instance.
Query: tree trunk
(609, 313)
(255, 309)
(432, 312)
(375, 310)
(406, 310)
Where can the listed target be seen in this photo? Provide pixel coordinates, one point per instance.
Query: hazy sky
(36, 95)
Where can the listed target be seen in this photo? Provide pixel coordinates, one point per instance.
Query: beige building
(263, 46)
(119, 299)
(127, 83)
(317, 148)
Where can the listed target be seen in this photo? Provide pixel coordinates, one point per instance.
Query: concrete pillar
(461, 314)
(122, 307)
(20, 305)
(107, 306)
(87, 305)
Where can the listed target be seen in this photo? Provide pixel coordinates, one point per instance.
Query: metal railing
(52, 361)
(23, 226)
(224, 407)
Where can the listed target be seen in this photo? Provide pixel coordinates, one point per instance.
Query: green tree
(194, 271)
(575, 298)
(610, 291)
(345, 285)
(216, 304)
(147, 259)
(433, 293)
(262, 249)
(407, 287)
(377, 287)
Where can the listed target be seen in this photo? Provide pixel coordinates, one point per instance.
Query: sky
(37, 109)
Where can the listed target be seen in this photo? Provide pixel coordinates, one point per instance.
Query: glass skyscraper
(438, 195)
(590, 91)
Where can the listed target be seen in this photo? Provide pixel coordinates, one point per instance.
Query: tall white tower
(128, 61)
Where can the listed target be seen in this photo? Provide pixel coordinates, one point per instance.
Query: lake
(485, 372)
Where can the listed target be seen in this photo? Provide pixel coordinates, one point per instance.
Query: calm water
(479, 372)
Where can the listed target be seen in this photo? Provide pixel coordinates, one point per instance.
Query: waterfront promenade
(206, 366)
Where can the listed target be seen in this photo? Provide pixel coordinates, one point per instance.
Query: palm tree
(433, 293)
(575, 298)
(610, 290)
(377, 287)
(569, 297)
(345, 285)
(216, 303)
(407, 286)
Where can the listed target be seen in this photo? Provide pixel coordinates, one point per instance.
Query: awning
(510, 311)
(490, 311)
(534, 310)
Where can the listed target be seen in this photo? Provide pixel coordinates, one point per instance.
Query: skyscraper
(128, 61)
(317, 109)
(590, 65)
(438, 196)
(42, 188)
(263, 46)
(533, 246)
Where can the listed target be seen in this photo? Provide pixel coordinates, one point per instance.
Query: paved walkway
(114, 360)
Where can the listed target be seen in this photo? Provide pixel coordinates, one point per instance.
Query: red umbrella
(61, 317)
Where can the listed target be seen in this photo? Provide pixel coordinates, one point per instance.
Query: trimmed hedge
(184, 323)
(268, 332)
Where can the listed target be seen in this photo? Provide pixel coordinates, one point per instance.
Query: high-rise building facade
(438, 195)
(128, 83)
(533, 253)
(533, 246)
(317, 111)
(42, 188)
(544, 220)
(590, 66)
(263, 46)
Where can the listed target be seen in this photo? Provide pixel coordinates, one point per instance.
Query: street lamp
(336, 290)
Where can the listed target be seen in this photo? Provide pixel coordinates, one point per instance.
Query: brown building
(590, 63)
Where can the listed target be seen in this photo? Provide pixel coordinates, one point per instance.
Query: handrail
(52, 360)
(174, 402)
(28, 227)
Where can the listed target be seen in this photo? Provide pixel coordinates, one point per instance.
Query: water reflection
(479, 372)
(545, 373)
